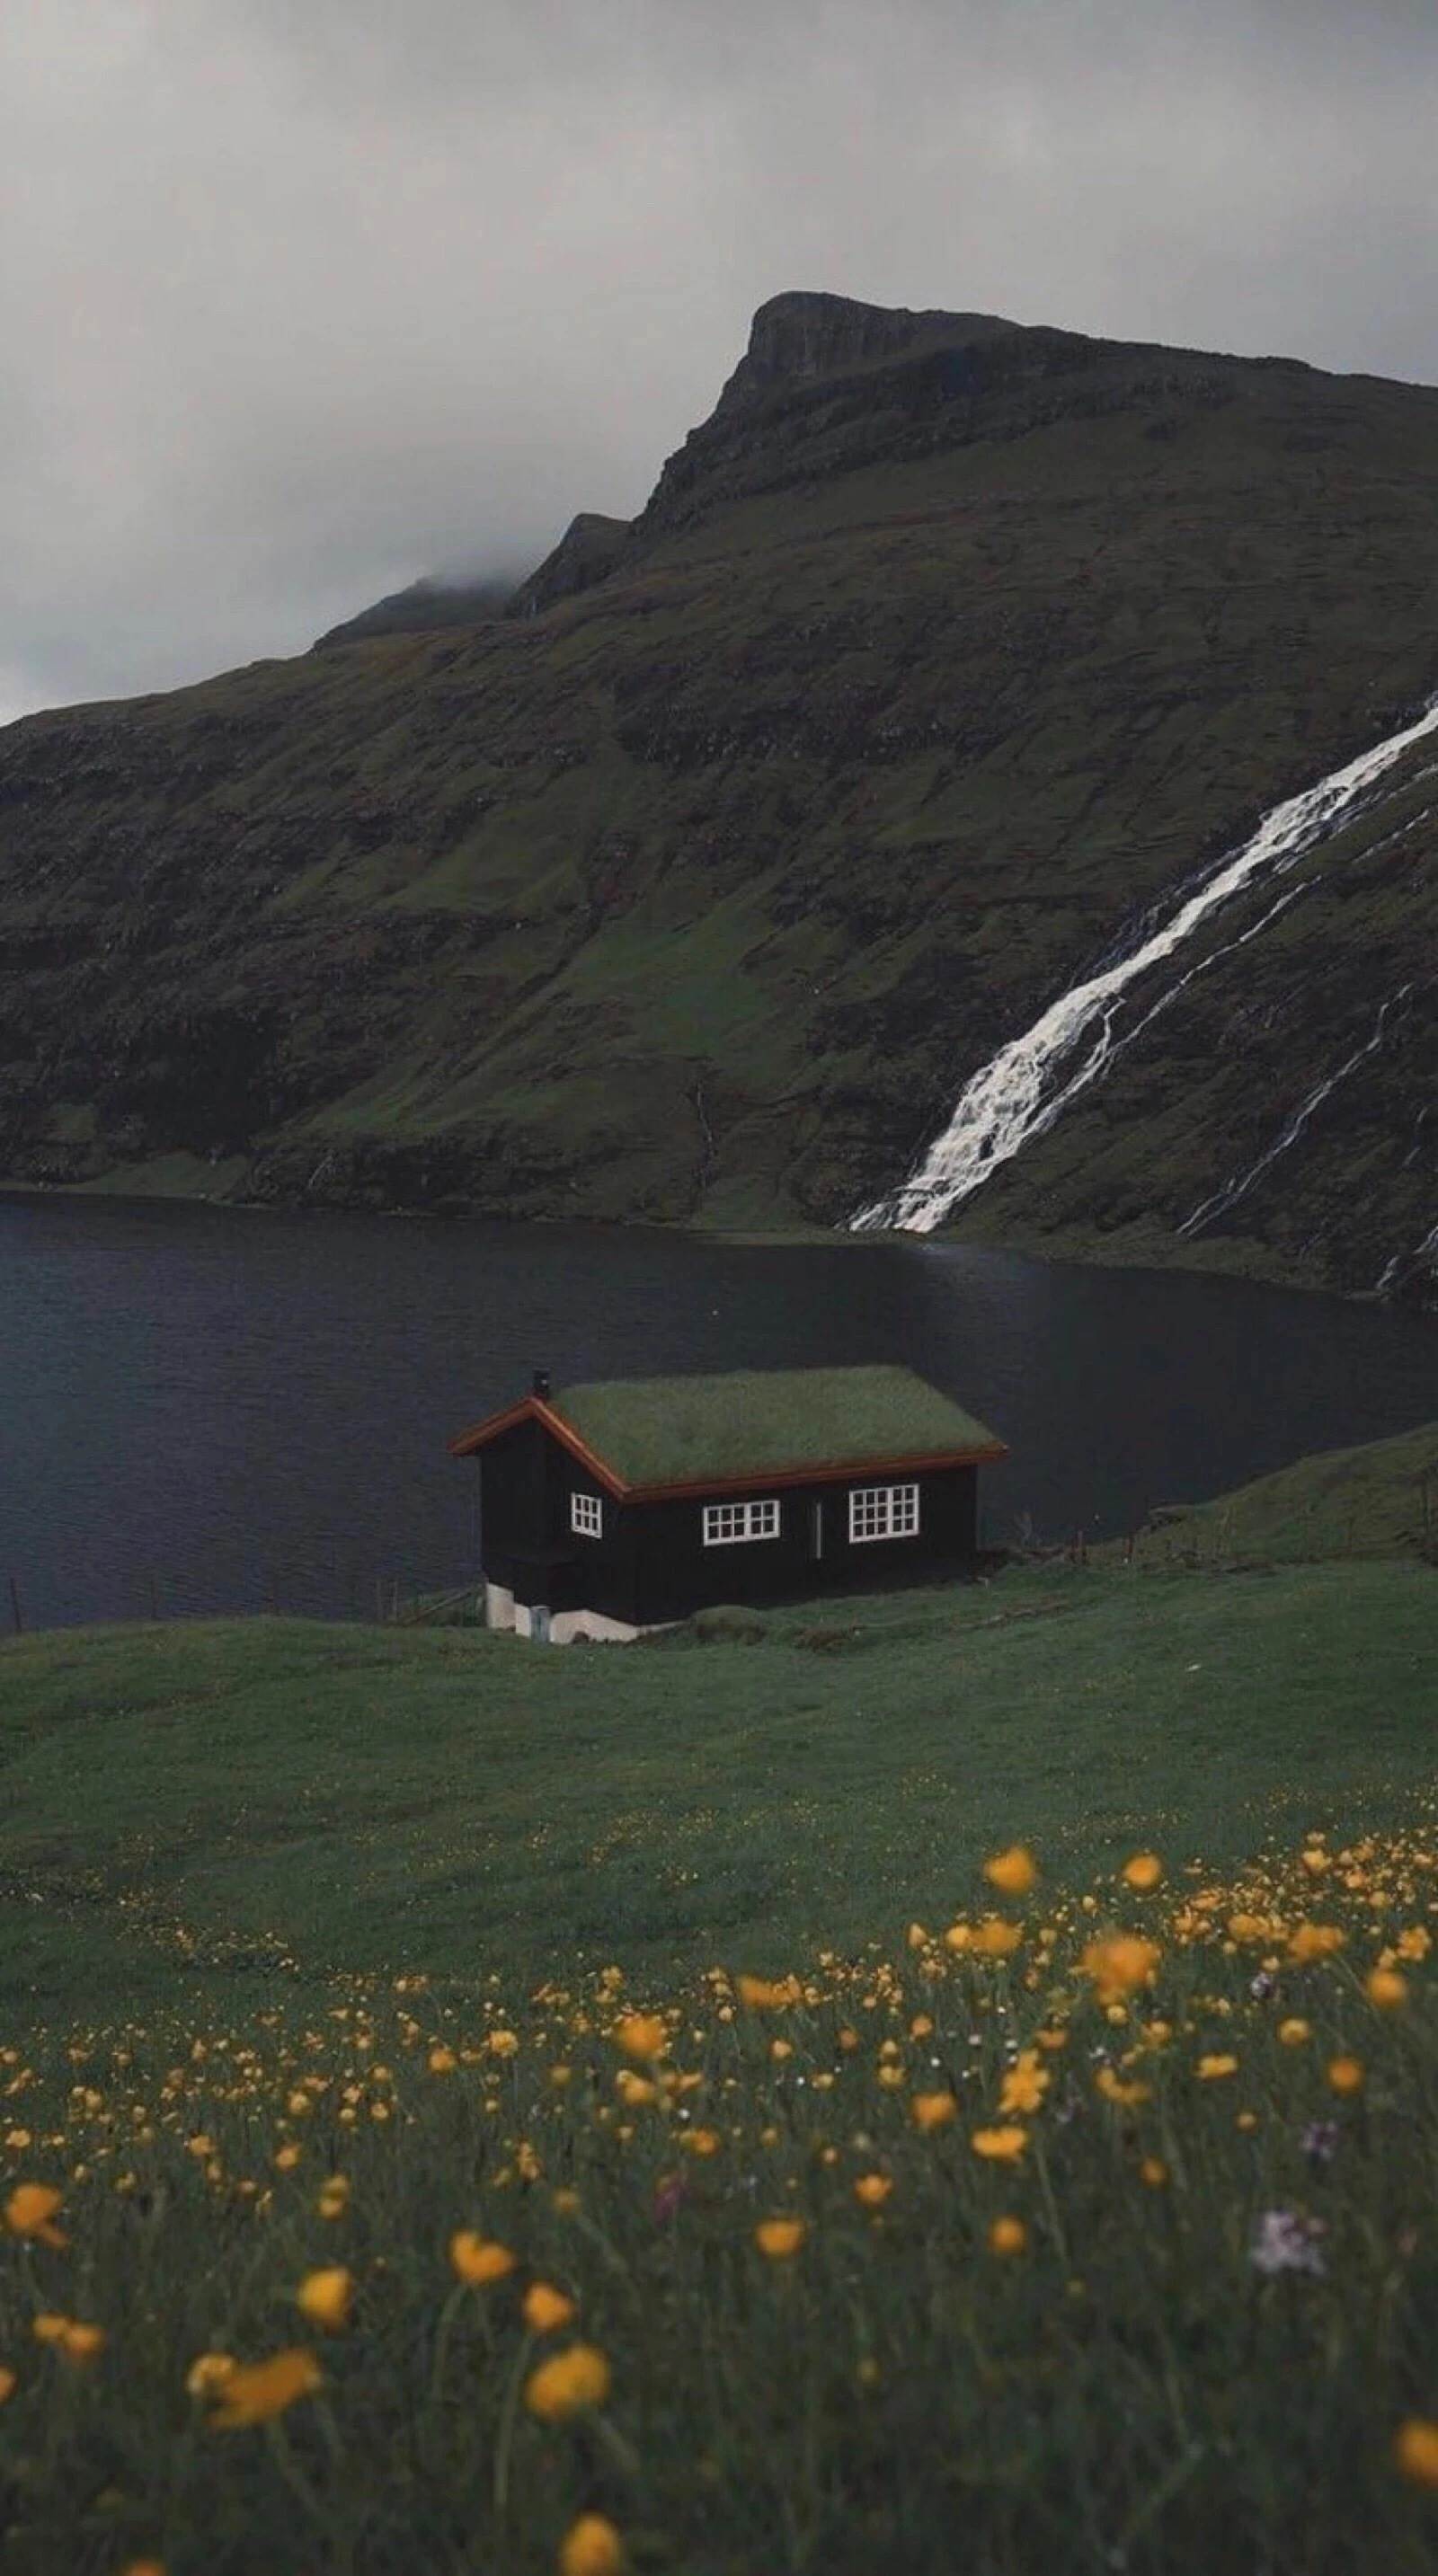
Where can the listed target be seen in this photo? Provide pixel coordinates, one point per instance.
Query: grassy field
(615, 2112)
(1378, 1500)
(220, 1798)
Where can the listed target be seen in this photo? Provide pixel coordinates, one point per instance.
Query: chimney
(541, 1385)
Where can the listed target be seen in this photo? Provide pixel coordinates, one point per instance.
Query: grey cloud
(300, 300)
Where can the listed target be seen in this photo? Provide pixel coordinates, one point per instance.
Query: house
(609, 1509)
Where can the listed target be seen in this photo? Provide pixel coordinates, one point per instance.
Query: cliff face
(944, 652)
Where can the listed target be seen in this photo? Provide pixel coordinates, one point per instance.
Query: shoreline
(1138, 1248)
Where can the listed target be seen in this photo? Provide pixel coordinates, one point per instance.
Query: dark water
(208, 1410)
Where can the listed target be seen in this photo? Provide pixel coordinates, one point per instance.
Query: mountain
(435, 601)
(948, 662)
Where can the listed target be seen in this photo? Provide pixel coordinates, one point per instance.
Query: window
(883, 1511)
(726, 1523)
(586, 1514)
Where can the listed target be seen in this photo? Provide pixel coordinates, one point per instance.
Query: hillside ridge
(699, 885)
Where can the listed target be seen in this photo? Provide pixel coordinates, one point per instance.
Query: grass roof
(685, 1430)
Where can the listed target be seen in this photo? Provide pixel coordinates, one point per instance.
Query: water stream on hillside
(1023, 1089)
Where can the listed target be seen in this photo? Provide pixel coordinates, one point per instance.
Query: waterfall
(1022, 1090)
(1221, 1200)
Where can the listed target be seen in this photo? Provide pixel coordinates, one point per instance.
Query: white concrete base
(501, 1610)
(566, 1625)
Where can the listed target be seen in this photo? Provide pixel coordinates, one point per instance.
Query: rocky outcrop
(587, 552)
(800, 338)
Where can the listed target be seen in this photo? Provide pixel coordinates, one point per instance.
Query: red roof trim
(532, 1408)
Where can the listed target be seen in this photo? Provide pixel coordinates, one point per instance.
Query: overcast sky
(302, 298)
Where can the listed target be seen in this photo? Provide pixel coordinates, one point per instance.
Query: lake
(207, 1409)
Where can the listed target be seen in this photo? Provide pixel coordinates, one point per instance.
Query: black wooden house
(609, 1509)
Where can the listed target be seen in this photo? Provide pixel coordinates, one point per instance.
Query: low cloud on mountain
(296, 304)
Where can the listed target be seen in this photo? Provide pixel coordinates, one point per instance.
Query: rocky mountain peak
(801, 337)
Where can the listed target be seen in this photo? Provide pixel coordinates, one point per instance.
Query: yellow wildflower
(31, 2211)
(209, 2371)
(442, 2061)
(1025, 2084)
(1119, 1965)
(502, 2043)
(700, 2142)
(1012, 1872)
(1124, 2096)
(81, 2343)
(932, 2110)
(49, 2326)
(568, 2383)
(591, 2547)
(1143, 1871)
(779, 2237)
(1345, 2074)
(255, 2391)
(871, 2190)
(641, 2035)
(1415, 2448)
(1001, 2146)
(1415, 1943)
(326, 2297)
(767, 1994)
(1213, 2068)
(9, 2382)
(287, 2157)
(1294, 2031)
(1386, 1989)
(545, 2308)
(1154, 2172)
(477, 2259)
(994, 1938)
(1008, 2236)
(334, 2197)
(1309, 1941)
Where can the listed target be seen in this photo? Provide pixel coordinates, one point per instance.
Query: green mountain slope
(941, 651)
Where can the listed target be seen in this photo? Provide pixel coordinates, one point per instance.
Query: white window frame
(733, 1524)
(586, 1514)
(882, 1511)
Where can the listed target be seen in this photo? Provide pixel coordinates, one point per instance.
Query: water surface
(207, 1409)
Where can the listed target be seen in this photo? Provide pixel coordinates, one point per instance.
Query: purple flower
(1261, 1986)
(1285, 2241)
(1319, 2141)
(668, 2197)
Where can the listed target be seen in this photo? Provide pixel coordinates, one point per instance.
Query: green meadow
(279, 1798)
(937, 2080)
